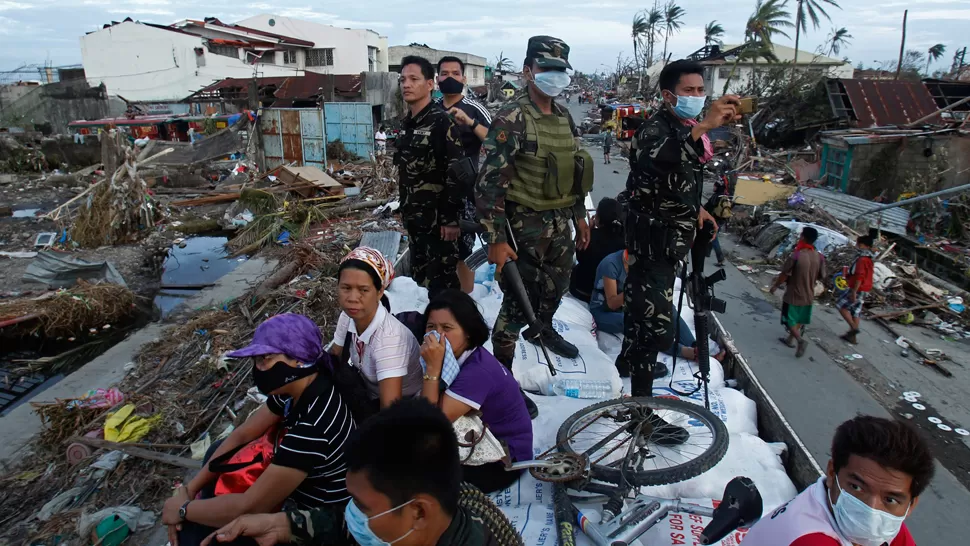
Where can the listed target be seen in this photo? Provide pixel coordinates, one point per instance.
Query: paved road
(815, 393)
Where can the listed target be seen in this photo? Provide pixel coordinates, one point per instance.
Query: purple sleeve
(472, 385)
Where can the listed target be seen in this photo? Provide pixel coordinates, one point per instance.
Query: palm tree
(811, 9)
(713, 33)
(639, 29)
(673, 19)
(502, 62)
(934, 54)
(654, 19)
(768, 19)
(840, 37)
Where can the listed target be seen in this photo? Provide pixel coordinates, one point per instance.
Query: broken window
(371, 59)
(724, 72)
(224, 50)
(834, 167)
(289, 56)
(320, 57)
(267, 57)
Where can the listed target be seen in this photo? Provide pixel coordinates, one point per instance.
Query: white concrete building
(718, 65)
(147, 62)
(474, 65)
(335, 50)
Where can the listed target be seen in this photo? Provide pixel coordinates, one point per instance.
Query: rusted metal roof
(847, 208)
(287, 89)
(880, 103)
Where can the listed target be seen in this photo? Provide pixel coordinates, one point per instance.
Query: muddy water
(203, 260)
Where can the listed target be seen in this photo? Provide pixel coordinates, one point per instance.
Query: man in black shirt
(404, 477)
(473, 122)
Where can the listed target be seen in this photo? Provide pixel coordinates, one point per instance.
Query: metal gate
(353, 124)
(299, 136)
(293, 136)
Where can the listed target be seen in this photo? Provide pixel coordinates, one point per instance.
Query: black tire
(678, 473)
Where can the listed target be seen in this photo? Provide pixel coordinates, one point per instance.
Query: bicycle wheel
(604, 432)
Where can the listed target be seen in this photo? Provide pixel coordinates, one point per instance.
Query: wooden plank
(139, 452)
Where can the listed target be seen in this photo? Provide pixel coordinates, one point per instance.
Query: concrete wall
(144, 63)
(474, 65)
(350, 45)
(382, 89)
(893, 167)
(58, 104)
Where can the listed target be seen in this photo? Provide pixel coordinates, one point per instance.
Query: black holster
(648, 237)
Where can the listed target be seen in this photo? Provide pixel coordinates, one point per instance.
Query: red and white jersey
(806, 520)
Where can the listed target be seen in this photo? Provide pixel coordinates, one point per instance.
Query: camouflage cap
(548, 52)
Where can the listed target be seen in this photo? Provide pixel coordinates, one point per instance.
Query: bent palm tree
(713, 33)
(808, 9)
(840, 38)
(673, 20)
(934, 54)
(639, 29)
(768, 20)
(502, 62)
(654, 19)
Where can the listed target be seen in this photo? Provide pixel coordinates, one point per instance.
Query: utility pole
(902, 46)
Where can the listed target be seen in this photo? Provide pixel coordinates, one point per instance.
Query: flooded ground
(25, 213)
(197, 262)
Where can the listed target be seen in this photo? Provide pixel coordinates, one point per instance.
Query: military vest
(545, 165)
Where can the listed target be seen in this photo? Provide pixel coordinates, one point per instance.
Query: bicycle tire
(684, 471)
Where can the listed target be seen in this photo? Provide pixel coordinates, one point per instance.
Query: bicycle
(614, 447)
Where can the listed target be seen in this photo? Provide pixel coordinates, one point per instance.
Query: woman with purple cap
(382, 349)
(311, 424)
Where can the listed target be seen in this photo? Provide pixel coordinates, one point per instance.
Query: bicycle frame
(627, 526)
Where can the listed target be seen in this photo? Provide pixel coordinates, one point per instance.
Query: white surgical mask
(862, 524)
(689, 107)
(552, 83)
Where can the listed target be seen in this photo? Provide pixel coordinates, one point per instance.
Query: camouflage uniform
(430, 198)
(541, 233)
(665, 196)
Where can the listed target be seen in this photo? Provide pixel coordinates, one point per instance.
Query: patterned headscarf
(373, 258)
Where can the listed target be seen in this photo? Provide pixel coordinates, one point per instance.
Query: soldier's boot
(641, 381)
(552, 340)
(506, 357)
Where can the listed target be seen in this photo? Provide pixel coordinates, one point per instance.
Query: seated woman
(606, 306)
(482, 384)
(307, 422)
(606, 237)
(384, 351)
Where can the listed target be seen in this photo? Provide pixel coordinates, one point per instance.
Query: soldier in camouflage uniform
(532, 186)
(665, 210)
(431, 199)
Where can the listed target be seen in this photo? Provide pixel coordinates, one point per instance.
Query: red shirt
(819, 539)
(861, 272)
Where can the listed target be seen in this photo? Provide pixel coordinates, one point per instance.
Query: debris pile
(67, 312)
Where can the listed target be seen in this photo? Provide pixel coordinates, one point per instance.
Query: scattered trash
(920, 407)
(962, 431)
(944, 428)
(934, 420)
(45, 239)
(242, 219)
(200, 446)
(124, 426)
(61, 270)
(746, 269)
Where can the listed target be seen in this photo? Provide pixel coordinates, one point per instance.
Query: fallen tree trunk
(139, 452)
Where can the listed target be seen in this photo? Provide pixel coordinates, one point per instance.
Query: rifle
(701, 292)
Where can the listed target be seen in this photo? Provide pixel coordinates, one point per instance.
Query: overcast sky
(35, 31)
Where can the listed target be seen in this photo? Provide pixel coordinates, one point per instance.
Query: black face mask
(450, 86)
(278, 375)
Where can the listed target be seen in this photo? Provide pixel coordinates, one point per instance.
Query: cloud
(141, 11)
(6, 5)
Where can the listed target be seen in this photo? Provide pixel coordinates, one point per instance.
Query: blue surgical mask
(689, 107)
(357, 524)
(862, 524)
(552, 83)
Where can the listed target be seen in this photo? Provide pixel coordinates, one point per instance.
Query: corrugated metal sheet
(353, 124)
(878, 103)
(293, 136)
(847, 207)
(387, 242)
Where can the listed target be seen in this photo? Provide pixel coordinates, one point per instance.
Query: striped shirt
(471, 145)
(385, 349)
(315, 431)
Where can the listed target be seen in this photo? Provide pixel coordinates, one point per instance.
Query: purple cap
(295, 336)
